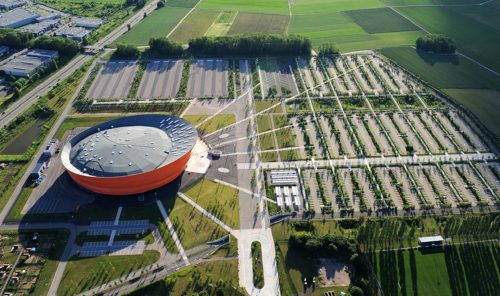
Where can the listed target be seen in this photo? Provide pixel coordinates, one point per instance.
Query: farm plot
(195, 25)
(208, 78)
(277, 78)
(113, 81)
(259, 23)
(366, 139)
(161, 79)
(337, 79)
(381, 20)
(222, 24)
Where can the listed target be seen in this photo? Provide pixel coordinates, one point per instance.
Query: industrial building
(17, 18)
(41, 27)
(89, 23)
(11, 4)
(130, 155)
(75, 33)
(27, 64)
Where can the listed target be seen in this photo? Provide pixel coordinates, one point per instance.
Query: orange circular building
(130, 155)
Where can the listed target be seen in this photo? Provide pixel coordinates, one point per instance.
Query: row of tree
(251, 45)
(18, 40)
(436, 43)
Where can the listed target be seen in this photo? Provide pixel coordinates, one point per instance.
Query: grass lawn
(263, 105)
(84, 274)
(192, 227)
(473, 38)
(457, 270)
(195, 25)
(83, 121)
(215, 123)
(381, 20)
(483, 103)
(264, 123)
(220, 200)
(158, 24)
(195, 279)
(267, 142)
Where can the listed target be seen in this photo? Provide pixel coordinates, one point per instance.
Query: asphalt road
(27, 100)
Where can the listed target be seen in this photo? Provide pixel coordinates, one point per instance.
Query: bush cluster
(164, 47)
(436, 43)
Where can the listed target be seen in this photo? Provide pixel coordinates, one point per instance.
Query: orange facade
(134, 184)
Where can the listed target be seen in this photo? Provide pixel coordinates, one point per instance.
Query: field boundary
(182, 19)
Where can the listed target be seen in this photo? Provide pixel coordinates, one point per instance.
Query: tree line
(19, 40)
(245, 45)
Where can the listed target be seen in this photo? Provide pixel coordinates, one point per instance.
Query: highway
(23, 103)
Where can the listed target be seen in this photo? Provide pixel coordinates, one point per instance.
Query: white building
(27, 64)
(17, 18)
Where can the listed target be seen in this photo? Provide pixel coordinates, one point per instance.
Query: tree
(436, 43)
(356, 291)
(164, 47)
(328, 49)
(160, 4)
(126, 51)
(65, 46)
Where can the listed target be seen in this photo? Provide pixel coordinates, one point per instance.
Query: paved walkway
(172, 231)
(357, 162)
(245, 270)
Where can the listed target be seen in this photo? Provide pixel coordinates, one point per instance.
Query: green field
(259, 23)
(320, 6)
(458, 270)
(443, 71)
(218, 199)
(195, 25)
(193, 229)
(483, 103)
(84, 274)
(381, 20)
(473, 38)
(262, 6)
(158, 24)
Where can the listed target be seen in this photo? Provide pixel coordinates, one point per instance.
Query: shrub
(164, 47)
(328, 49)
(126, 51)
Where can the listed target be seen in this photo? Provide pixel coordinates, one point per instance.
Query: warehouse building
(41, 27)
(27, 64)
(17, 18)
(75, 33)
(89, 23)
(11, 4)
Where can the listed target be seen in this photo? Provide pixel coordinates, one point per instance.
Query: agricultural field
(158, 24)
(258, 23)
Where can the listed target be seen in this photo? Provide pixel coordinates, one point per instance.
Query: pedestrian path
(172, 232)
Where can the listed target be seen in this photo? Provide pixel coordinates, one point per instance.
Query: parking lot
(277, 74)
(208, 78)
(113, 81)
(161, 79)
